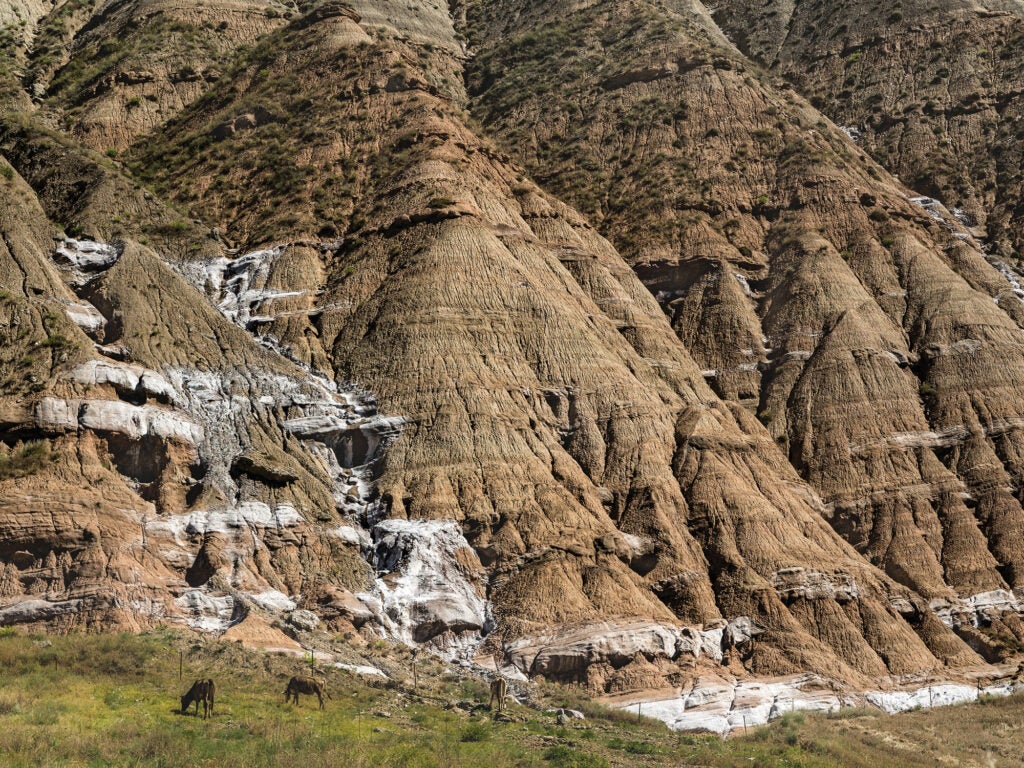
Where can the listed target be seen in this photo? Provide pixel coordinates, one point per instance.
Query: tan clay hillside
(931, 90)
(554, 423)
(96, 527)
(309, 351)
(863, 324)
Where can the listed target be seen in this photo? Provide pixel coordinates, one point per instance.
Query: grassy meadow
(112, 700)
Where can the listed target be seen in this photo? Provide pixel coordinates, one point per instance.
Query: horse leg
(321, 698)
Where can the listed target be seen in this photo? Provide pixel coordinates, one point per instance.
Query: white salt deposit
(86, 317)
(273, 600)
(87, 255)
(425, 588)
(244, 516)
(206, 612)
(360, 669)
(116, 416)
(852, 131)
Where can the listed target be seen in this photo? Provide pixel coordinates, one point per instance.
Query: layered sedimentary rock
(126, 402)
(549, 407)
(862, 322)
(342, 362)
(931, 90)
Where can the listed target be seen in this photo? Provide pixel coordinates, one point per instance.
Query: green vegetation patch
(112, 700)
(24, 459)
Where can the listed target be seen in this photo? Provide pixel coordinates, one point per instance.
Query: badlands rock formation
(866, 326)
(931, 90)
(303, 326)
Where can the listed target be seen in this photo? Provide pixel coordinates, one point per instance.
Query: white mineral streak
(852, 131)
(942, 438)
(85, 259)
(1012, 277)
(127, 379)
(245, 516)
(717, 705)
(572, 650)
(240, 285)
(963, 217)
(360, 669)
(973, 609)
(953, 221)
(236, 286)
(86, 317)
(87, 255)
(206, 612)
(798, 582)
(744, 283)
(428, 594)
(116, 416)
(934, 208)
(357, 537)
(342, 427)
(26, 611)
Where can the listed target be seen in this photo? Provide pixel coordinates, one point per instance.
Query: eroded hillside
(308, 328)
(862, 322)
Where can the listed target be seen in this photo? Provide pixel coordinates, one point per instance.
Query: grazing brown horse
(201, 690)
(499, 690)
(309, 685)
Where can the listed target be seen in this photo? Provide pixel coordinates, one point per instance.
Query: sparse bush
(476, 731)
(566, 757)
(56, 341)
(23, 460)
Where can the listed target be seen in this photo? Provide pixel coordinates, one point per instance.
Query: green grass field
(112, 700)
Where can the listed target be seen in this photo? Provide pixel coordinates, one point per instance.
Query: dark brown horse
(201, 690)
(308, 685)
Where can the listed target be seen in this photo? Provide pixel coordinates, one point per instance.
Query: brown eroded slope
(549, 407)
(932, 91)
(869, 332)
(107, 73)
(126, 403)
